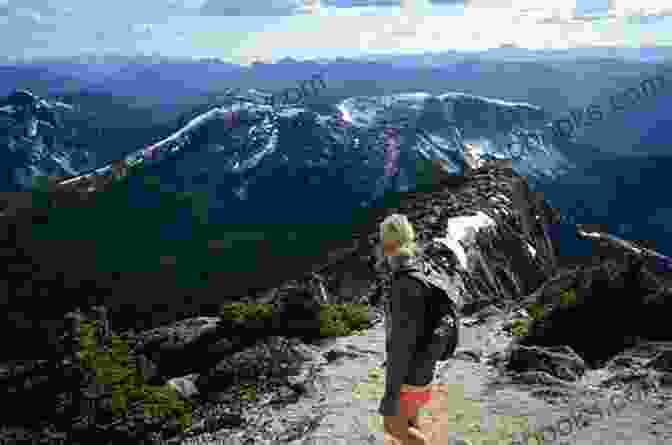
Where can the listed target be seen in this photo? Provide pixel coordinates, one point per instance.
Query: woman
(409, 369)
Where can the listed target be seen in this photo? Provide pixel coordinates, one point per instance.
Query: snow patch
(461, 230)
(531, 250)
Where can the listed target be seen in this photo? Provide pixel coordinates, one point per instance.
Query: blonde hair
(397, 228)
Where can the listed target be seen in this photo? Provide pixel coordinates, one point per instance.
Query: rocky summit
(283, 365)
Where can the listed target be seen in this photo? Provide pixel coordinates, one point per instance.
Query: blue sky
(243, 31)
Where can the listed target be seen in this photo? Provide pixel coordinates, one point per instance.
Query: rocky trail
(475, 398)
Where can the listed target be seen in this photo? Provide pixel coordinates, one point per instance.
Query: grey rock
(275, 357)
(222, 347)
(662, 361)
(540, 378)
(665, 378)
(180, 348)
(185, 386)
(339, 352)
(489, 311)
(176, 335)
(470, 355)
(147, 368)
(286, 394)
(559, 361)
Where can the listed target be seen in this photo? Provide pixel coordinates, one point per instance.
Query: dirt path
(472, 400)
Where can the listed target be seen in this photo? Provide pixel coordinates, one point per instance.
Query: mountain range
(299, 176)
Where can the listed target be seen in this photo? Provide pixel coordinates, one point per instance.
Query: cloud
(573, 12)
(22, 21)
(636, 7)
(360, 3)
(142, 29)
(344, 26)
(68, 26)
(296, 7)
(632, 11)
(253, 7)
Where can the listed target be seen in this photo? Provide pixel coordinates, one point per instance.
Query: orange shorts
(411, 398)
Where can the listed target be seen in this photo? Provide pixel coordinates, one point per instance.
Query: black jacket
(411, 350)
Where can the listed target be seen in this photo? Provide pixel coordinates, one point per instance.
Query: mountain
(509, 53)
(38, 79)
(349, 148)
(555, 85)
(284, 185)
(34, 142)
(619, 193)
(235, 167)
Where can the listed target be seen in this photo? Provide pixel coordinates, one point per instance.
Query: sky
(244, 31)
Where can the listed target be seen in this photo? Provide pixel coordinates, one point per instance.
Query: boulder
(276, 358)
(621, 292)
(284, 395)
(177, 335)
(338, 352)
(662, 361)
(560, 362)
(489, 311)
(185, 386)
(178, 349)
(541, 378)
(469, 355)
(296, 312)
(147, 367)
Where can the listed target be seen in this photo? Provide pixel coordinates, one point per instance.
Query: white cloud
(279, 28)
(360, 3)
(252, 7)
(523, 11)
(310, 7)
(624, 8)
(31, 15)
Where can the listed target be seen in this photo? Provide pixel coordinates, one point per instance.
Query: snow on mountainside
(32, 142)
(366, 147)
(440, 126)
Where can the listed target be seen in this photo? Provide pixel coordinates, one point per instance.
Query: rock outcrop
(624, 295)
(487, 232)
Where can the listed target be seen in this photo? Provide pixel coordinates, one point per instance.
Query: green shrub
(332, 326)
(111, 366)
(520, 328)
(355, 316)
(337, 320)
(568, 298)
(242, 312)
(248, 391)
(536, 311)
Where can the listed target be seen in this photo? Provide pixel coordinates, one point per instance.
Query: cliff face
(487, 231)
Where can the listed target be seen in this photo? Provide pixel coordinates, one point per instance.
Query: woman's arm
(407, 300)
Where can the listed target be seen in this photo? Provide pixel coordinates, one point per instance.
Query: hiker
(416, 338)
